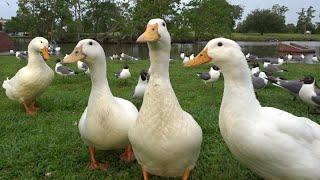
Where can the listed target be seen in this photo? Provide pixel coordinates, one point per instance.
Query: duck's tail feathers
(5, 83)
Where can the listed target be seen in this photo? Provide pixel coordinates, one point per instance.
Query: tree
(210, 18)
(305, 20)
(144, 10)
(263, 21)
(101, 17)
(291, 28)
(236, 13)
(280, 10)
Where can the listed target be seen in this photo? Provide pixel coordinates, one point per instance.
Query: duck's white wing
(17, 82)
(284, 145)
(300, 128)
(128, 106)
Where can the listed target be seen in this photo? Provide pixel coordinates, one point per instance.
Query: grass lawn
(48, 145)
(275, 36)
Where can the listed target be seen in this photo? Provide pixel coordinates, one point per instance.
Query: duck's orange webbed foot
(95, 164)
(128, 155)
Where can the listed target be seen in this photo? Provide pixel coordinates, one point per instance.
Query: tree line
(115, 20)
(273, 21)
(123, 20)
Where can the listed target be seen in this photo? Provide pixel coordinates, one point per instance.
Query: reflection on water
(261, 49)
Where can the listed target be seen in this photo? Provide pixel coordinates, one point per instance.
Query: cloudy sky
(291, 17)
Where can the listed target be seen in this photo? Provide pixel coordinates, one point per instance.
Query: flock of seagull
(161, 136)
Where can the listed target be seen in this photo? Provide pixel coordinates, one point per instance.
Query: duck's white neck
(35, 59)
(159, 57)
(238, 94)
(99, 80)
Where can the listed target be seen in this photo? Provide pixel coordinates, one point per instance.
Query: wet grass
(48, 145)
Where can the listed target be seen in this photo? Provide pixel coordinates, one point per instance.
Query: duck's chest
(39, 77)
(160, 110)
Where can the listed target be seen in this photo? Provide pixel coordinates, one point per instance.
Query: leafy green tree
(305, 20)
(280, 10)
(291, 28)
(209, 18)
(264, 21)
(144, 10)
(237, 13)
(102, 17)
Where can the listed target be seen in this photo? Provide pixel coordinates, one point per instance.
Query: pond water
(260, 49)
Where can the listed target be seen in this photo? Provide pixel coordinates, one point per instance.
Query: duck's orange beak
(45, 53)
(201, 58)
(150, 35)
(76, 55)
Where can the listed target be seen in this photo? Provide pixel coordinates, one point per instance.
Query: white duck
(142, 84)
(165, 139)
(273, 143)
(104, 123)
(33, 79)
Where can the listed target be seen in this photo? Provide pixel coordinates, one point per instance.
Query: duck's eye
(90, 43)
(163, 24)
(220, 44)
(152, 29)
(77, 52)
(40, 41)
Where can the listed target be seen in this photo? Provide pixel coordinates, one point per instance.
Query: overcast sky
(6, 11)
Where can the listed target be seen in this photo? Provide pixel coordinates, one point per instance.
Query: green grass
(274, 36)
(49, 142)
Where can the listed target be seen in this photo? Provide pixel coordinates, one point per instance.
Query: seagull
(315, 58)
(191, 56)
(142, 84)
(289, 56)
(83, 67)
(186, 59)
(127, 57)
(272, 68)
(250, 57)
(280, 60)
(123, 73)
(310, 92)
(293, 86)
(54, 48)
(63, 70)
(65, 28)
(299, 58)
(182, 55)
(21, 55)
(255, 69)
(114, 57)
(211, 76)
(259, 80)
